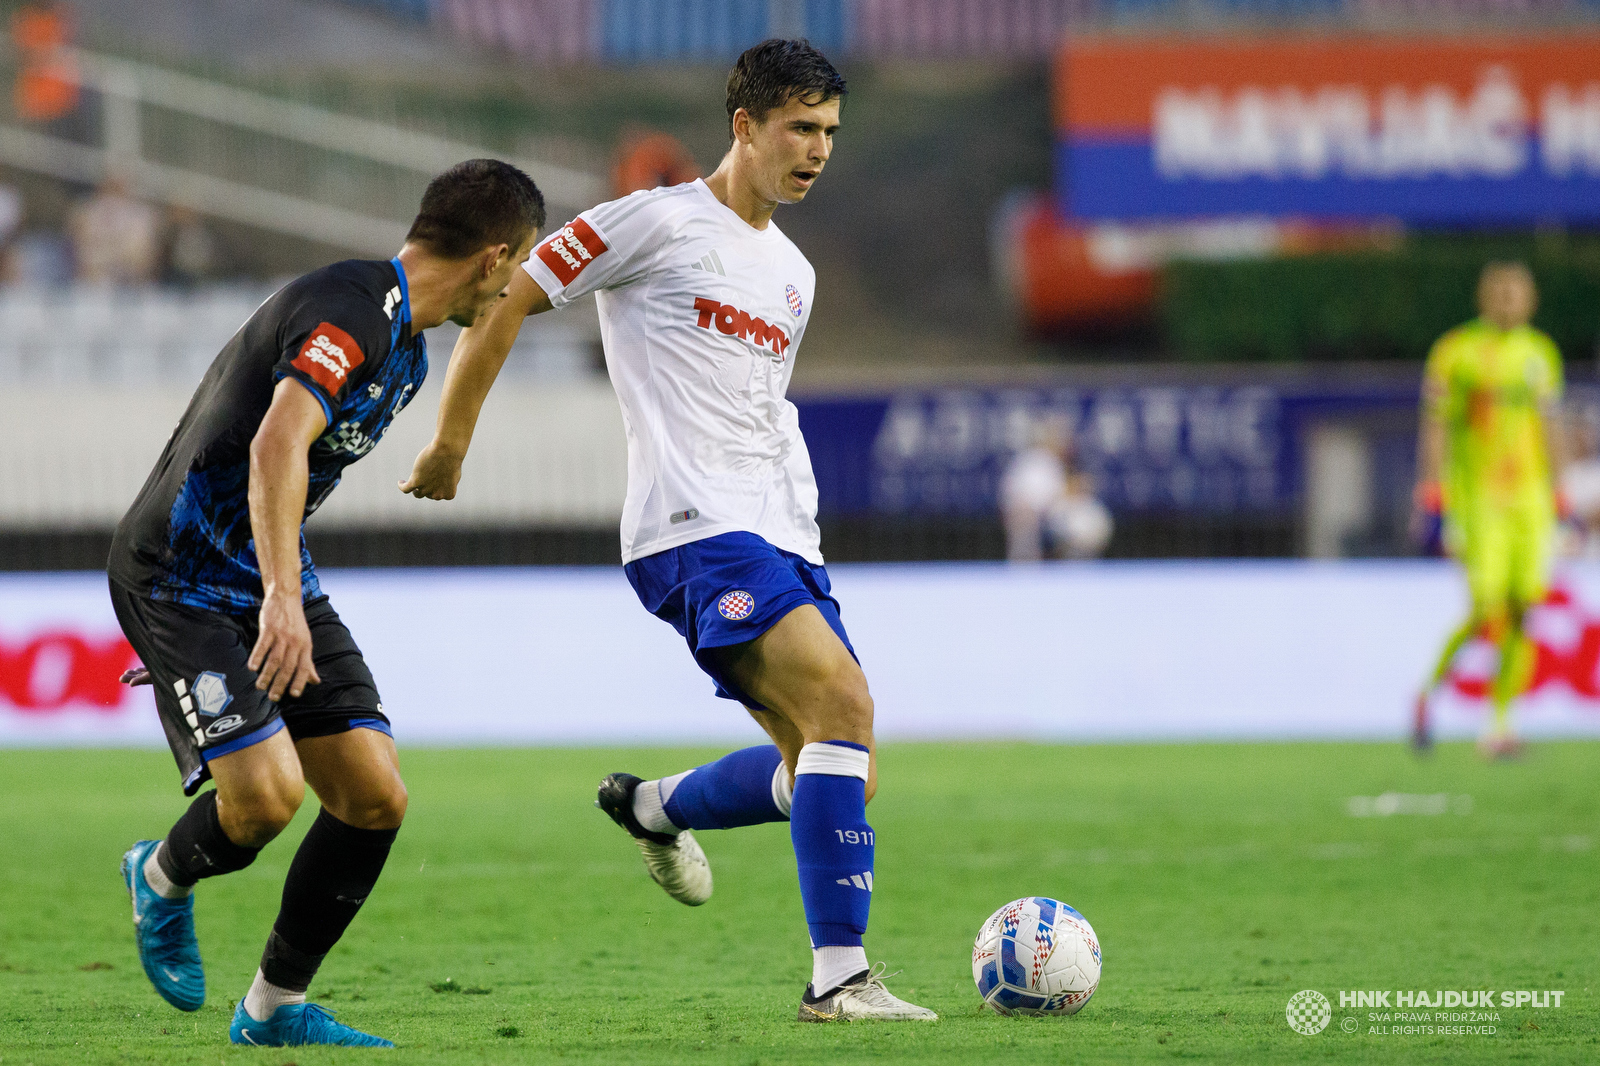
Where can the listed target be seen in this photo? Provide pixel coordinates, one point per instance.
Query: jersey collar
(731, 219)
(402, 318)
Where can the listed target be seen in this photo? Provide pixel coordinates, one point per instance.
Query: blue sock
(833, 844)
(735, 790)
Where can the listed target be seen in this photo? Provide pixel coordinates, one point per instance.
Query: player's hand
(282, 655)
(1427, 517)
(435, 474)
(135, 677)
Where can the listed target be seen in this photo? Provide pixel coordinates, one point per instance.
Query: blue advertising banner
(1182, 448)
(1488, 130)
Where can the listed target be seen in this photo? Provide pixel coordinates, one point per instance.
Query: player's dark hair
(476, 204)
(770, 74)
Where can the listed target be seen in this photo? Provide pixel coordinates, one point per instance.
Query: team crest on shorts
(792, 294)
(736, 605)
(211, 693)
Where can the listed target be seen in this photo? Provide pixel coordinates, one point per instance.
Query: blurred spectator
(1047, 507)
(1079, 525)
(191, 251)
(10, 213)
(47, 86)
(115, 238)
(39, 258)
(646, 160)
(35, 257)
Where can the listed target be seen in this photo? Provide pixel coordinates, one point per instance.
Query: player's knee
(385, 809)
(255, 820)
(848, 704)
(381, 806)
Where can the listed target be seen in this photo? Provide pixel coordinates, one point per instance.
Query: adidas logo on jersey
(711, 263)
(390, 298)
(733, 322)
(862, 881)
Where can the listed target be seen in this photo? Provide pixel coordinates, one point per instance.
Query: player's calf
(751, 786)
(834, 849)
(333, 873)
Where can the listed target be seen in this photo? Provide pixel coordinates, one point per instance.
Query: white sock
(783, 790)
(265, 997)
(649, 803)
(157, 878)
(833, 966)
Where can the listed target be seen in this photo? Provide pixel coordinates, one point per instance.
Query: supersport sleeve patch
(570, 250)
(329, 357)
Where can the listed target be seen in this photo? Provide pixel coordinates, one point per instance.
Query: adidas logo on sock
(861, 881)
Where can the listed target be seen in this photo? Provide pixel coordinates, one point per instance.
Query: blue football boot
(298, 1024)
(164, 930)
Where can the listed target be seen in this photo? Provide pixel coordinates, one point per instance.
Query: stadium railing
(233, 153)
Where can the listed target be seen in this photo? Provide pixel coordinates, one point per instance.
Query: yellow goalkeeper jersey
(1489, 386)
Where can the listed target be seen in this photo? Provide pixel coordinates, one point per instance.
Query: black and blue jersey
(343, 332)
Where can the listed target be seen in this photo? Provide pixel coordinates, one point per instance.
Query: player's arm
(479, 354)
(1427, 497)
(279, 475)
(1553, 423)
(1554, 420)
(1431, 442)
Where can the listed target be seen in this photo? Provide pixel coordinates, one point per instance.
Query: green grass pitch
(515, 923)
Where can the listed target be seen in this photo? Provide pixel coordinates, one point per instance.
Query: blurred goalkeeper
(1489, 440)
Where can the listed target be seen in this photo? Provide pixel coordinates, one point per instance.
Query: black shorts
(207, 696)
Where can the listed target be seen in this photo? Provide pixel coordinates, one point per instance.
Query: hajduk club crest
(736, 605)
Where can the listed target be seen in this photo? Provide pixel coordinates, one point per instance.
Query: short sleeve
(605, 247)
(1436, 373)
(329, 346)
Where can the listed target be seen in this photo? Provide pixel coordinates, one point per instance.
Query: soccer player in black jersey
(259, 685)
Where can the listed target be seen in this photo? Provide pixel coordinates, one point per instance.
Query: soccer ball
(1036, 956)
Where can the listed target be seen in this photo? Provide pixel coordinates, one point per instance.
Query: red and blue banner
(1433, 131)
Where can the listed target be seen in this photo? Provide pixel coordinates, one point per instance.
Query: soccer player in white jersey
(703, 302)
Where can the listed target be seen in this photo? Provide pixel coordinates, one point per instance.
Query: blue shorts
(728, 590)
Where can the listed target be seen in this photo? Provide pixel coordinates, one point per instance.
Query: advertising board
(1064, 652)
(1503, 129)
(1207, 448)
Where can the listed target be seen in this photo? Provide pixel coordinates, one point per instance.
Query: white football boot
(863, 998)
(675, 862)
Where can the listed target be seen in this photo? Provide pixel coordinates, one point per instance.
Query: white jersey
(701, 316)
